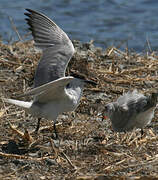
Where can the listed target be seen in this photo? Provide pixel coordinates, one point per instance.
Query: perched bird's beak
(105, 117)
(102, 116)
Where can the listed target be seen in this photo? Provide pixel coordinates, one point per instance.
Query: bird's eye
(68, 85)
(106, 107)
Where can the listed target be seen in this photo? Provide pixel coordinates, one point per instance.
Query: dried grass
(89, 148)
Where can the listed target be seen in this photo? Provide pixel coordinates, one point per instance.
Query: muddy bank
(89, 147)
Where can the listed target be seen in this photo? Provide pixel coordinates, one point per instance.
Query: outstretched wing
(49, 91)
(55, 44)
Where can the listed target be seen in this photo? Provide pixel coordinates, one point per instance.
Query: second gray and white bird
(131, 110)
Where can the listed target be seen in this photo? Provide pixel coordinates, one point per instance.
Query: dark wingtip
(27, 14)
(27, 19)
(29, 10)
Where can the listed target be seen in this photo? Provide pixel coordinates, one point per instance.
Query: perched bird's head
(108, 110)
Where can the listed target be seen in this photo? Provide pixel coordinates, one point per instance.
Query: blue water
(108, 22)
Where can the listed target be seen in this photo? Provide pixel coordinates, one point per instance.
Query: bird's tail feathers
(23, 104)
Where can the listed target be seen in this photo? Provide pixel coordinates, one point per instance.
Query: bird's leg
(55, 132)
(142, 132)
(38, 125)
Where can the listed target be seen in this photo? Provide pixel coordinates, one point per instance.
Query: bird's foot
(55, 134)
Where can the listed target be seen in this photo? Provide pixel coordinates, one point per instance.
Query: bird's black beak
(90, 82)
(83, 77)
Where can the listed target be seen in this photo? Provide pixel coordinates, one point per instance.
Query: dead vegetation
(89, 148)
